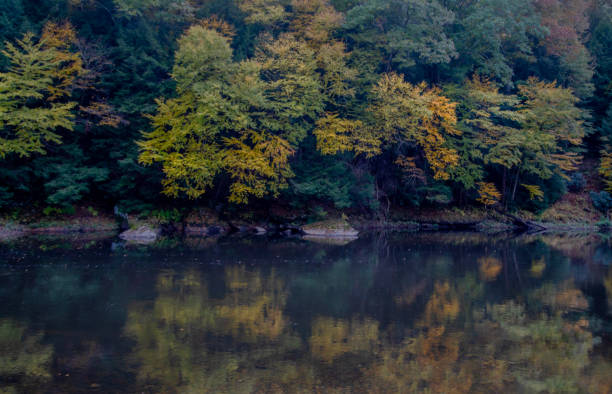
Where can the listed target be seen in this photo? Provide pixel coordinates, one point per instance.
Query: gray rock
(259, 230)
(143, 234)
(330, 229)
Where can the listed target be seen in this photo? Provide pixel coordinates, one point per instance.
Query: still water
(387, 313)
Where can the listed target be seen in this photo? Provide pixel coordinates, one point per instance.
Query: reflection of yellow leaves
(332, 338)
(489, 268)
(537, 268)
(442, 306)
(169, 336)
(259, 318)
(22, 354)
(438, 346)
(428, 362)
(168, 279)
(254, 306)
(236, 279)
(562, 297)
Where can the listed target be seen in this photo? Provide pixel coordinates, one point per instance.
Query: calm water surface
(394, 313)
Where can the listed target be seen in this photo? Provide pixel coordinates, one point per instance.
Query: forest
(360, 105)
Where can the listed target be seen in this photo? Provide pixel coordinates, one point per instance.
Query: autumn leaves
(241, 123)
(34, 93)
(244, 120)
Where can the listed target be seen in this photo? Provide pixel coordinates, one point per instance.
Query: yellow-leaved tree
(238, 121)
(35, 102)
(414, 121)
(244, 121)
(605, 169)
(488, 195)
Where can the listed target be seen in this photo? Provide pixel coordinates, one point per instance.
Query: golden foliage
(267, 12)
(605, 169)
(336, 77)
(537, 131)
(62, 38)
(219, 25)
(257, 168)
(189, 155)
(534, 191)
(336, 135)
(553, 109)
(228, 119)
(404, 113)
(488, 194)
(410, 170)
(417, 114)
(104, 112)
(315, 20)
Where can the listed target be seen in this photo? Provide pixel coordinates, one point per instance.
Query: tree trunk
(504, 188)
(516, 180)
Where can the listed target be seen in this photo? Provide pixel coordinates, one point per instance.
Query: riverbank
(10, 229)
(202, 222)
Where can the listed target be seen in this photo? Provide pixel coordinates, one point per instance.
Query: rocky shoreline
(205, 223)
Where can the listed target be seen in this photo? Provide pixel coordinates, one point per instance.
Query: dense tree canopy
(347, 102)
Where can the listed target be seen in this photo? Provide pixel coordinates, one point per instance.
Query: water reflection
(24, 360)
(404, 313)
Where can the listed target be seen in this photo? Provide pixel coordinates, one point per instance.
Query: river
(400, 312)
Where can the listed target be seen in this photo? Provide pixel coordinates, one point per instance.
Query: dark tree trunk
(516, 180)
(504, 189)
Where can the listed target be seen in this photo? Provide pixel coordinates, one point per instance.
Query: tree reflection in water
(25, 363)
(423, 313)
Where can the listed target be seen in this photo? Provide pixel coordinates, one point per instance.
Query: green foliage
(11, 20)
(167, 10)
(222, 100)
(493, 35)
(66, 183)
(331, 179)
(576, 183)
(58, 211)
(602, 201)
(536, 133)
(5, 196)
(437, 194)
(536, 194)
(166, 216)
(403, 33)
